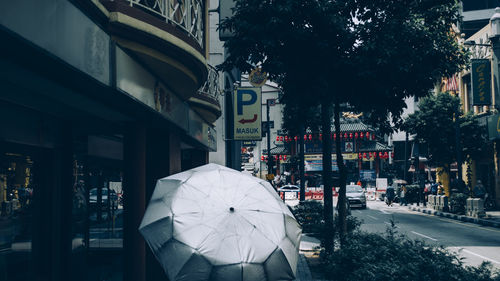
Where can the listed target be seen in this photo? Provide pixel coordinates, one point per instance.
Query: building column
(174, 151)
(134, 186)
(157, 167)
(496, 152)
(63, 205)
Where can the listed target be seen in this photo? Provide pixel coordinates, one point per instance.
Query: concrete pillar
(134, 186)
(157, 167)
(174, 149)
(496, 152)
(63, 205)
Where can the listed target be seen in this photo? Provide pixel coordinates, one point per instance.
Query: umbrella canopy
(215, 223)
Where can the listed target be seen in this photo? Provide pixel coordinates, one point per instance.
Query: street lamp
(495, 23)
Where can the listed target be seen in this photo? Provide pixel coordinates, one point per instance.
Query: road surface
(473, 242)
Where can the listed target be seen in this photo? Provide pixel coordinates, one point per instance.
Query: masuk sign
(481, 82)
(247, 113)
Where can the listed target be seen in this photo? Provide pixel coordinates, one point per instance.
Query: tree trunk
(302, 196)
(342, 201)
(327, 176)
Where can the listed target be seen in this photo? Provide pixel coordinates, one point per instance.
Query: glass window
(17, 184)
(353, 189)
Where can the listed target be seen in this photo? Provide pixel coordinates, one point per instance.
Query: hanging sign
(481, 82)
(257, 78)
(247, 113)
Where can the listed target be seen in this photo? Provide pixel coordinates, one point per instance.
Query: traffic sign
(247, 113)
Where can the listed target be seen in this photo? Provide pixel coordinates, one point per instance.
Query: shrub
(391, 256)
(309, 215)
(457, 203)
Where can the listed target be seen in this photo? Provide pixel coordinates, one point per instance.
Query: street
(474, 243)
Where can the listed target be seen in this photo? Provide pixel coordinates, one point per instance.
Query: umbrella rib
(256, 229)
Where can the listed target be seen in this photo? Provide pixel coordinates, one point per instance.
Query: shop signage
(314, 163)
(247, 114)
(481, 82)
(494, 127)
(367, 175)
(257, 78)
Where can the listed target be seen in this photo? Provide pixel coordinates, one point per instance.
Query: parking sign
(247, 113)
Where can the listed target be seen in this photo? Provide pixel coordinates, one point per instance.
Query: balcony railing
(187, 14)
(211, 87)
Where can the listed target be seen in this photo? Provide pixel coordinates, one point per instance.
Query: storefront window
(17, 184)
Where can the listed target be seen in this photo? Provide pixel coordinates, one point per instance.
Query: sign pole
(269, 158)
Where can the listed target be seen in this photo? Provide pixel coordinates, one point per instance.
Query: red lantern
(368, 135)
(277, 138)
(369, 153)
(386, 155)
(361, 135)
(356, 135)
(360, 155)
(320, 136)
(334, 136)
(373, 136)
(281, 157)
(364, 154)
(284, 157)
(350, 135)
(305, 137)
(295, 138)
(380, 155)
(310, 137)
(262, 158)
(345, 135)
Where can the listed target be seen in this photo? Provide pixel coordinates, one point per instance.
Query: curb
(482, 222)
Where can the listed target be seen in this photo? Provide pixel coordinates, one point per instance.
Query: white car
(356, 196)
(291, 191)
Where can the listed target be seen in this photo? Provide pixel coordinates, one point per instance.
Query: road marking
(387, 213)
(425, 236)
(372, 217)
(464, 224)
(478, 255)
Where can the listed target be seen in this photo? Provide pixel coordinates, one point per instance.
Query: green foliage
(370, 54)
(457, 203)
(390, 256)
(309, 214)
(412, 193)
(435, 125)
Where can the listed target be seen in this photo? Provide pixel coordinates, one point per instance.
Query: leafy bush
(457, 203)
(309, 215)
(390, 256)
(412, 193)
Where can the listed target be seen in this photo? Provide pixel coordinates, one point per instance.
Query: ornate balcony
(186, 14)
(168, 36)
(206, 100)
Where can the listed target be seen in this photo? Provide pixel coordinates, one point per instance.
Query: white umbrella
(215, 223)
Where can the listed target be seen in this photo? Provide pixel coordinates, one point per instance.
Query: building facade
(98, 100)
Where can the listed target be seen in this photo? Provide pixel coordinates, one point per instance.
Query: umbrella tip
(231, 209)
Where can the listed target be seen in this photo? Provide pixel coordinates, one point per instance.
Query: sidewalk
(308, 247)
(491, 219)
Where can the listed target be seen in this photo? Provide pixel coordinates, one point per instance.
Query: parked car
(356, 196)
(113, 198)
(290, 191)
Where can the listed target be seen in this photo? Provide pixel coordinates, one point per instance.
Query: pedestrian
(434, 188)
(440, 189)
(402, 196)
(389, 195)
(479, 190)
